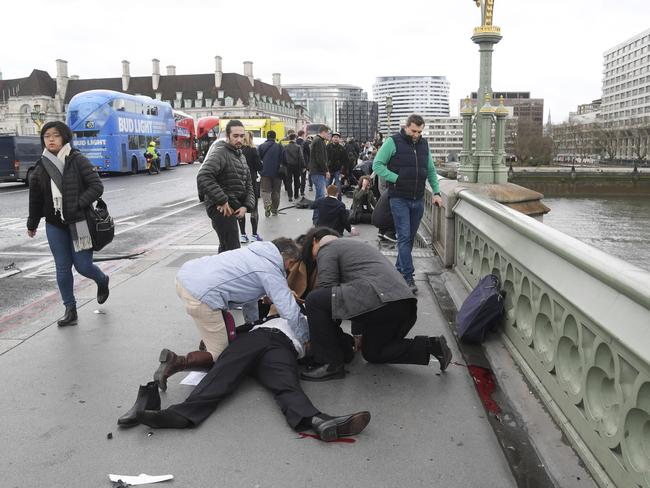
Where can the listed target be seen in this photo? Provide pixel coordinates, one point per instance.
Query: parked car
(18, 156)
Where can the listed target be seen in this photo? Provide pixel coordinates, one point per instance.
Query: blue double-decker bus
(113, 129)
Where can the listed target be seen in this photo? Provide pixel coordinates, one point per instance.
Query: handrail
(628, 279)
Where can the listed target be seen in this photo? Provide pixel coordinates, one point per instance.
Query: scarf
(79, 231)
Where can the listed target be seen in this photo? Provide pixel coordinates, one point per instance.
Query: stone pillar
(171, 70)
(498, 165)
(484, 154)
(468, 168)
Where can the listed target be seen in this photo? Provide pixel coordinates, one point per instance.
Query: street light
(389, 109)
(38, 117)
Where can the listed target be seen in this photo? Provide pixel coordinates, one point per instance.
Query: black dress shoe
(323, 373)
(163, 419)
(148, 399)
(331, 428)
(70, 316)
(102, 292)
(440, 350)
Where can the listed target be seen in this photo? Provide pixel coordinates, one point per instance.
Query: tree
(530, 146)
(639, 144)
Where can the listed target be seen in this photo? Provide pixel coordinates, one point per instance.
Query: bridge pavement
(63, 390)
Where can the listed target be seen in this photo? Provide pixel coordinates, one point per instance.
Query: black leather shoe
(440, 350)
(102, 292)
(163, 419)
(331, 428)
(148, 399)
(323, 373)
(70, 316)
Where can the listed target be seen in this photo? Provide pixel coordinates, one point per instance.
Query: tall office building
(322, 100)
(626, 83)
(427, 96)
(358, 119)
(521, 106)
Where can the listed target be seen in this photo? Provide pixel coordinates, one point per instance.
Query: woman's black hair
(63, 129)
(308, 243)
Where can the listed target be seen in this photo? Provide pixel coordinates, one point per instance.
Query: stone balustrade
(577, 322)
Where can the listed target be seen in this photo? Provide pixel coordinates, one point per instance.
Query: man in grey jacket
(225, 182)
(213, 284)
(356, 282)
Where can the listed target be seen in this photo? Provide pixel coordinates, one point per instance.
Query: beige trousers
(212, 328)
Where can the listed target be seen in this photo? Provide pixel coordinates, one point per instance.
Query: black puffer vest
(410, 162)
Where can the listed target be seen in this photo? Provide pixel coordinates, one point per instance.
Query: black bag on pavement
(481, 310)
(100, 224)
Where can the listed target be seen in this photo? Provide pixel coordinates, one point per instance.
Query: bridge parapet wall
(577, 322)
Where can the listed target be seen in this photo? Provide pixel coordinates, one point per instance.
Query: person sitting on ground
(363, 202)
(332, 212)
(269, 352)
(356, 282)
(213, 284)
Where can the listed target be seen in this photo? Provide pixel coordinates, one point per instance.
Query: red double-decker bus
(207, 131)
(185, 137)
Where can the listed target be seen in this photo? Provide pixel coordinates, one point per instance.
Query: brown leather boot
(171, 363)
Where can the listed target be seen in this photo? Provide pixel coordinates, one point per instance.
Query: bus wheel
(168, 163)
(134, 165)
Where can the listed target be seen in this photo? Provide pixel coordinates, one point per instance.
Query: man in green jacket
(404, 161)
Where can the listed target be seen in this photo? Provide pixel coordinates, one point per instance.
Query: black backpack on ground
(481, 311)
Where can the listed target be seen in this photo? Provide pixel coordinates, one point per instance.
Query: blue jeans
(407, 215)
(65, 257)
(336, 178)
(319, 182)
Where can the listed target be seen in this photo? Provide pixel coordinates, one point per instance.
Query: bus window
(143, 142)
(133, 142)
(153, 111)
(119, 104)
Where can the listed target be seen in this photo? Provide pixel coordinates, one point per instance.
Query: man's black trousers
(268, 355)
(292, 182)
(384, 331)
(227, 230)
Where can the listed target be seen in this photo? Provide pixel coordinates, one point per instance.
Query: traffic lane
(126, 196)
(33, 276)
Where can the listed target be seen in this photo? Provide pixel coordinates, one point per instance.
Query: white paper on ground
(194, 378)
(141, 479)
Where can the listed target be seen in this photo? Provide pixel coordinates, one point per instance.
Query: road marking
(114, 191)
(124, 219)
(13, 223)
(13, 191)
(194, 247)
(155, 219)
(164, 181)
(24, 253)
(180, 203)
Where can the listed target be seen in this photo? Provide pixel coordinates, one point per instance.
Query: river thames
(617, 225)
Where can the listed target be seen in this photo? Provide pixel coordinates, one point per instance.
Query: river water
(617, 225)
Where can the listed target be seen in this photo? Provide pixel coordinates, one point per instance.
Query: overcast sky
(552, 48)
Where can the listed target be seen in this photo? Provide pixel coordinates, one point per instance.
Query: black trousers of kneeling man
(268, 355)
(384, 332)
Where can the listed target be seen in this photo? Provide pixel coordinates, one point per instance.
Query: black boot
(163, 419)
(331, 428)
(70, 317)
(148, 399)
(102, 292)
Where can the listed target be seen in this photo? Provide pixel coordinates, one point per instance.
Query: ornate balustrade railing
(578, 323)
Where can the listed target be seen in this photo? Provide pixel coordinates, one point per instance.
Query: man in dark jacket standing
(356, 282)
(405, 162)
(337, 160)
(271, 179)
(318, 164)
(295, 166)
(304, 145)
(225, 182)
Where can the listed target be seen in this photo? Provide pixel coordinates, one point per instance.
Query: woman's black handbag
(100, 224)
